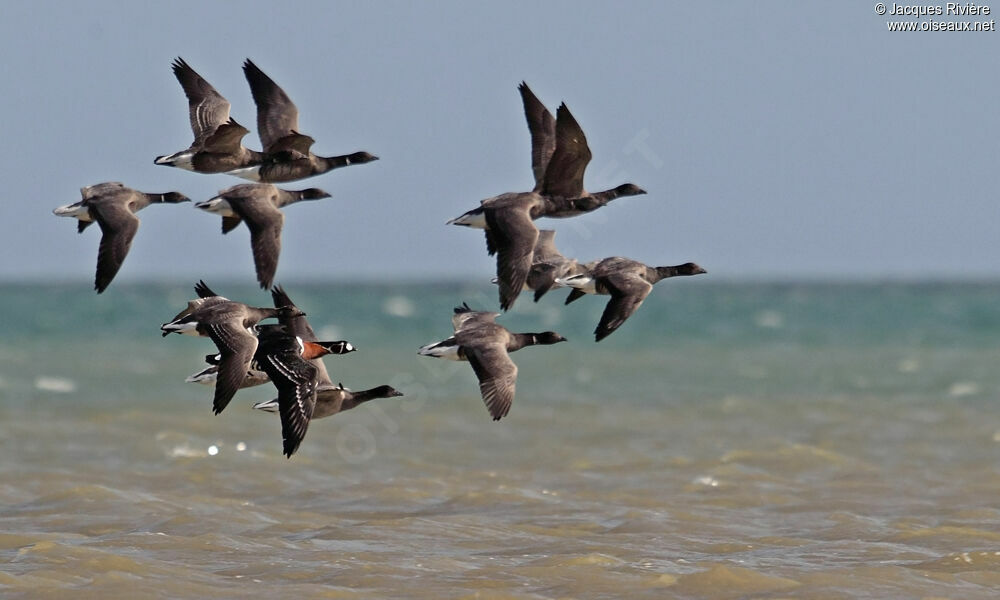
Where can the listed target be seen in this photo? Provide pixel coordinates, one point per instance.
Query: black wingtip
(574, 295)
(201, 288)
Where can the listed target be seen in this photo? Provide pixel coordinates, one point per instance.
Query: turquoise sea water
(731, 440)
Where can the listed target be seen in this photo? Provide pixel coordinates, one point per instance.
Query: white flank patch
(217, 206)
(181, 160)
(445, 352)
(182, 328)
(267, 405)
(250, 173)
(58, 385)
(73, 210)
(584, 283)
(204, 377)
(476, 220)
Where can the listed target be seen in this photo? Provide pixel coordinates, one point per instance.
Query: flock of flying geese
(288, 354)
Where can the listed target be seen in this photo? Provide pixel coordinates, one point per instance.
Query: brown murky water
(714, 466)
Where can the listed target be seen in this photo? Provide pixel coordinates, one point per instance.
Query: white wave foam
(399, 306)
(59, 385)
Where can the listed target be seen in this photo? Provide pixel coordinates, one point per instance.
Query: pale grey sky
(775, 138)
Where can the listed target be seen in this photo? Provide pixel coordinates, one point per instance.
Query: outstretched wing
(236, 346)
(543, 133)
(264, 221)
(514, 236)
(207, 108)
(295, 379)
(497, 376)
(226, 139)
(564, 174)
(118, 225)
(277, 115)
(627, 293)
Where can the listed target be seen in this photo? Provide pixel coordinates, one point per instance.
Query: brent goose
(333, 399)
(113, 206)
(559, 157)
(217, 146)
(288, 152)
(297, 325)
(627, 281)
(229, 324)
(548, 265)
(259, 205)
(479, 340)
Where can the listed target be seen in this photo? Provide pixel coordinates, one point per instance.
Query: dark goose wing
(465, 318)
(627, 290)
(100, 189)
(546, 264)
(118, 226)
(295, 379)
(514, 236)
(497, 375)
(236, 346)
(226, 139)
(277, 115)
(207, 108)
(264, 221)
(564, 175)
(542, 126)
(300, 327)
